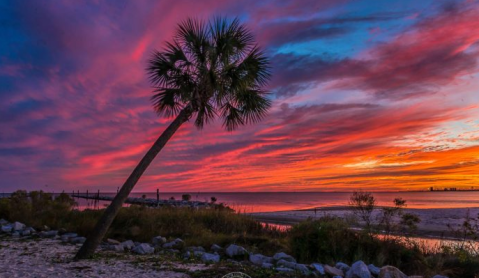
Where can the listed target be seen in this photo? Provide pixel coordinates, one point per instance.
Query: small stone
(358, 270)
(66, 237)
(25, 232)
(374, 269)
(158, 241)
(391, 272)
(17, 226)
(49, 234)
(283, 256)
(342, 266)
(284, 269)
(116, 248)
(77, 240)
(333, 271)
(143, 249)
(267, 265)
(113, 241)
(7, 228)
(210, 258)
(319, 268)
(235, 250)
(302, 268)
(259, 259)
(175, 244)
(287, 264)
(216, 248)
(439, 276)
(129, 244)
(196, 248)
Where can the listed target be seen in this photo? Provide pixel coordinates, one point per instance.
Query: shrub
(363, 204)
(186, 197)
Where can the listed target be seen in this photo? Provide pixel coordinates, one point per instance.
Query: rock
(7, 228)
(49, 234)
(198, 254)
(284, 269)
(175, 244)
(143, 249)
(3, 222)
(113, 241)
(391, 272)
(17, 226)
(16, 234)
(333, 271)
(358, 270)
(78, 239)
(116, 248)
(374, 269)
(210, 258)
(216, 248)
(302, 268)
(26, 232)
(287, 264)
(259, 259)
(127, 245)
(196, 248)
(283, 256)
(267, 265)
(319, 268)
(235, 251)
(337, 276)
(439, 276)
(66, 237)
(158, 241)
(342, 266)
(416, 276)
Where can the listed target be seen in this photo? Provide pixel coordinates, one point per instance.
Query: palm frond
(216, 68)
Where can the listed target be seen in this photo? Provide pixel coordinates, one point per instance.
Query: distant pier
(145, 201)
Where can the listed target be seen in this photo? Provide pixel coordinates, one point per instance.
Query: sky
(371, 95)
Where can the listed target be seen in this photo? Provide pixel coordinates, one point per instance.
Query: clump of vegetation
(202, 227)
(37, 208)
(186, 197)
(363, 204)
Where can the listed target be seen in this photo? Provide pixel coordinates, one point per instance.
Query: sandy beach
(434, 222)
(49, 258)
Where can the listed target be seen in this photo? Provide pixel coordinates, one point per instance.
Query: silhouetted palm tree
(210, 69)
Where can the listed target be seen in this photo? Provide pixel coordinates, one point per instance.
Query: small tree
(213, 200)
(363, 204)
(409, 223)
(387, 218)
(186, 197)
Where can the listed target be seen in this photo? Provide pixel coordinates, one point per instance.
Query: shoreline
(436, 223)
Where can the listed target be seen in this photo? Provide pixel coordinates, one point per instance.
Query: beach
(49, 258)
(435, 222)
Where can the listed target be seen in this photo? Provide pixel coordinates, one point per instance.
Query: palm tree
(210, 69)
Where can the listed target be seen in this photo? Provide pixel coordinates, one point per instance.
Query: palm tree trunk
(94, 239)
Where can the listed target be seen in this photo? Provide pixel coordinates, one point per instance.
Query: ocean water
(279, 201)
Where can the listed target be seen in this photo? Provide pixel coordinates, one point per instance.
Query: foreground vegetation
(327, 240)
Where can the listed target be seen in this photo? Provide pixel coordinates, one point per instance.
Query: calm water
(277, 201)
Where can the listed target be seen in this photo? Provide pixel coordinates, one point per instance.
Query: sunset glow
(379, 97)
